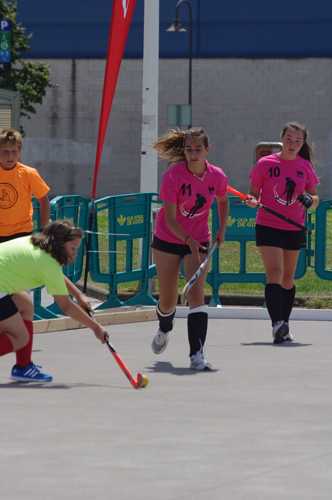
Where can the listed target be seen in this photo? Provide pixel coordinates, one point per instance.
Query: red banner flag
(120, 21)
(121, 18)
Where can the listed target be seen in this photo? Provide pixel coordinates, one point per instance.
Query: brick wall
(239, 102)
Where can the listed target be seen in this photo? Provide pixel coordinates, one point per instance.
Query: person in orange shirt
(18, 183)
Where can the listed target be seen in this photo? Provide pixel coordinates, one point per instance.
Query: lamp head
(176, 26)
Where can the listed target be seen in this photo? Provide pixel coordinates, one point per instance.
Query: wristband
(186, 238)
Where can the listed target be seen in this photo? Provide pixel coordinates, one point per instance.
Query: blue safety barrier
(75, 209)
(240, 228)
(323, 212)
(124, 223)
(124, 218)
(40, 312)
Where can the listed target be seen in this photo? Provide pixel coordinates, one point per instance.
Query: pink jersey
(193, 198)
(280, 183)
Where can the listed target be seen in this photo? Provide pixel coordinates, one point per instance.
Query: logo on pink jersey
(287, 197)
(199, 203)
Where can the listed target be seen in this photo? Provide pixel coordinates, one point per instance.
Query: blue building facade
(79, 29)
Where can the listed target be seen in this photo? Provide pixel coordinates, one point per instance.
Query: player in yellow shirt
(30, 262)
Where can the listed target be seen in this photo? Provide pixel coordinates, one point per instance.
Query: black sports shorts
(175, 248)
(3, 239)
(7, 307)
(287, 240)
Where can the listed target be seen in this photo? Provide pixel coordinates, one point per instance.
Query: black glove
(306, 200)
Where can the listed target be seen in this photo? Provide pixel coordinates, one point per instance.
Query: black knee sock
(165, 320)
(273, 299)
(288, 297)
(197, 328)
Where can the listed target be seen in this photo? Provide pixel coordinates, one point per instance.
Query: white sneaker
(289, 336)
(279, 332)
(159, 342)
(198, 362)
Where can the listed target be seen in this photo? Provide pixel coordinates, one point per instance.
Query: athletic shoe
(159, 342)
(289, 336)
(30, 373)
(198, 362)
(279, 332)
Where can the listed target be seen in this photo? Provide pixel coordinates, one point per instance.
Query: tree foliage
(31, 80)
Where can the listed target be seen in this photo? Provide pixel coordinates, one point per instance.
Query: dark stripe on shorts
(3, 239)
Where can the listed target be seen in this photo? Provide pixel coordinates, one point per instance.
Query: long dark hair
(306, 151)
(171, 145)
(53, 236)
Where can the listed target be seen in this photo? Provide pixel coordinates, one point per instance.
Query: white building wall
(239, 102)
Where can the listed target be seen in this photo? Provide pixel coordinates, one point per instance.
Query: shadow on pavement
(284, 344)
(46, 385)
(167, 367)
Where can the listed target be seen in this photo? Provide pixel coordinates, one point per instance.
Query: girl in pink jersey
(188, 190)
(285, 182)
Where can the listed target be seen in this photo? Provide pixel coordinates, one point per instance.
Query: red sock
(6, 345)
(23, 356)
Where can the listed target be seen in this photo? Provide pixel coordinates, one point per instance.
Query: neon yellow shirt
(23, 267)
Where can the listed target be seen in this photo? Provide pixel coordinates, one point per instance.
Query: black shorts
(175, 248)
(287, 240)
(7, 307)
(3, 239)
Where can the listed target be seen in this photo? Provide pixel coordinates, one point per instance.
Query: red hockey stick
(263, 207)
(142, 380)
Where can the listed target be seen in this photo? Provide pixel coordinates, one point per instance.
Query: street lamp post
(176, 26)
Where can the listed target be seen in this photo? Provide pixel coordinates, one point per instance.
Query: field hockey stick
(197, 274)
(263, 207)
(142, 380)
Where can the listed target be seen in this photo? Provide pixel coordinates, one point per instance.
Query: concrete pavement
(257, 427)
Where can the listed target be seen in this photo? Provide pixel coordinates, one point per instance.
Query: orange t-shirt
(16, 188)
